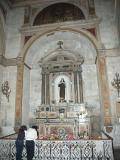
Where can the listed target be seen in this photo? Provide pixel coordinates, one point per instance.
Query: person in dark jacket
(20, 142)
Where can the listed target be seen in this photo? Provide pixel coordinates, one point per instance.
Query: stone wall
(7, 108)
(113, 64)
(26, 96)
(1, 77)
(35, 94)
(108, 28)
(90, 85)
(14, 21)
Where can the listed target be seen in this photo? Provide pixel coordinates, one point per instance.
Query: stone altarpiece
(62, 110)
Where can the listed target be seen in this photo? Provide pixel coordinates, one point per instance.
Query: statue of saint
(62, 90)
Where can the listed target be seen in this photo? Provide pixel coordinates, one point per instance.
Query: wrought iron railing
(61, 150)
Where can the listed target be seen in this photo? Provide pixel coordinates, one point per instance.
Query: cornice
(8, 62)
(23, 3)
(86, 24)
(12, 62)
(111, 52)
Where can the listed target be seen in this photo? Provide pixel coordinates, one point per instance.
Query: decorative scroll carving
(6, 89)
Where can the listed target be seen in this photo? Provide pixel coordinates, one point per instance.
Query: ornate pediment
(61, 63)
(61, 60)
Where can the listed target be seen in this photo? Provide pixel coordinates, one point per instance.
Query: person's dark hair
(22, 128)
(21, 133)
(35, 127)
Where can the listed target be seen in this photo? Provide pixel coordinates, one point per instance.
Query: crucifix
(60, 43)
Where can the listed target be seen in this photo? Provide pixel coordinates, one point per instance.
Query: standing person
(20, 142)
(31, 136)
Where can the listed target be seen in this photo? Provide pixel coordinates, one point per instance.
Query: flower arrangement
(57, 137)
(70, 137)
(50, 137)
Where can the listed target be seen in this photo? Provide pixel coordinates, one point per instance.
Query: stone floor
(117, 154)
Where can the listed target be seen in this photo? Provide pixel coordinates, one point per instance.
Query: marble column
(75, 87)
(52, 92)
(43, 89)
(104, 90)
(80, 87)
(19, 94)
(47, 89)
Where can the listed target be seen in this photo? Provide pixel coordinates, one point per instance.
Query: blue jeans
(19, 149)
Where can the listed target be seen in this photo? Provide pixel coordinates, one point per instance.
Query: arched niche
(79, 42)
(58, 12)
(59, 86)
(45, 48)
(45, 45)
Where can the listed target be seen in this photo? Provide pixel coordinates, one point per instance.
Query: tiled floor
(117, 154)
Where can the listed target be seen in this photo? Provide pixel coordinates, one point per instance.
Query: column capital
(20, 60)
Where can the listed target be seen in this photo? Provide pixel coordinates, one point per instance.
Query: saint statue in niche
(62, 90)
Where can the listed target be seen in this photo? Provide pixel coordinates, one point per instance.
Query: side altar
(62, 112)
(64, 121)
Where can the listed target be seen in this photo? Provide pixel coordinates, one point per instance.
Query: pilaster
(103, 84)
(19, 94)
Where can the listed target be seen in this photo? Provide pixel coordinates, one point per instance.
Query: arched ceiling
(76, 43)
